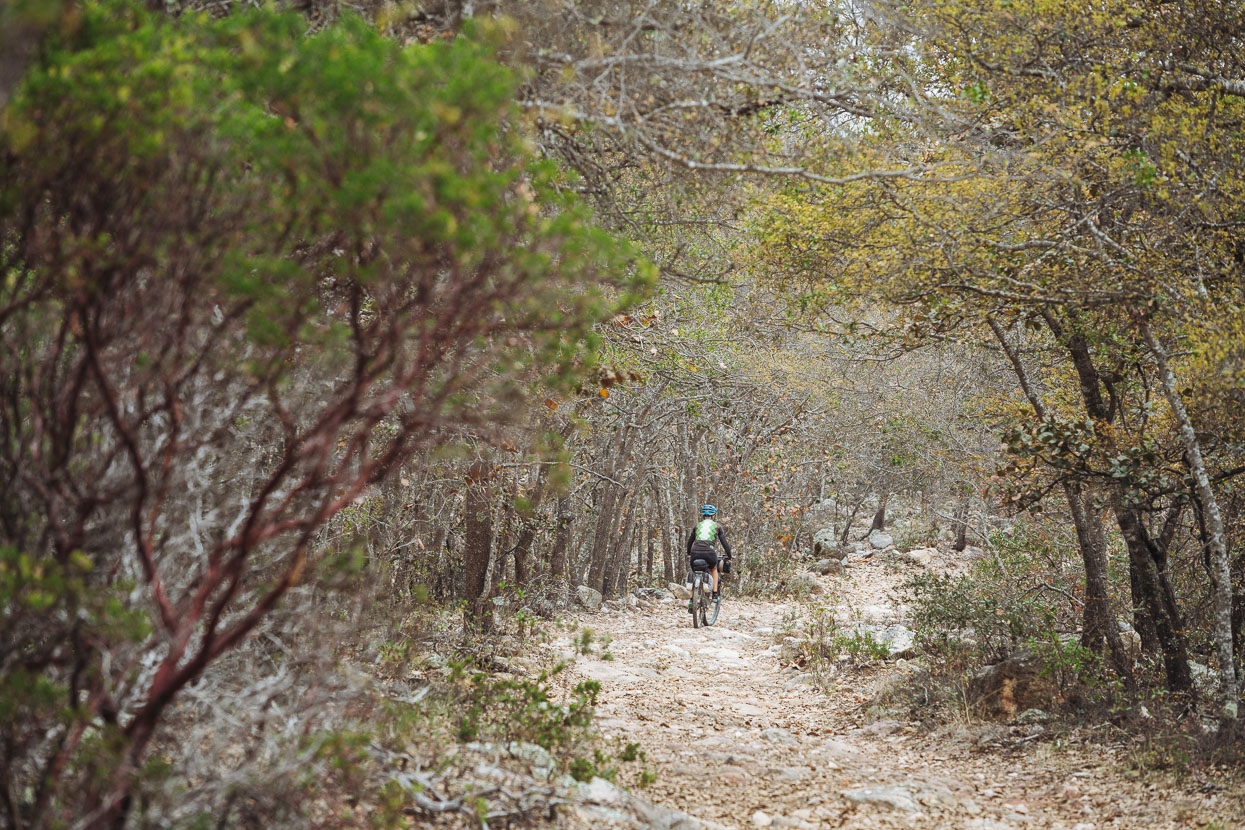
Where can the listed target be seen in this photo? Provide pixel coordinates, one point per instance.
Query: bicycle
(704, 609)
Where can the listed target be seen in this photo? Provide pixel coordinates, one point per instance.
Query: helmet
(708, 510)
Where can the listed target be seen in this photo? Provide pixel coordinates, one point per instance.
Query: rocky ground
(738, 737)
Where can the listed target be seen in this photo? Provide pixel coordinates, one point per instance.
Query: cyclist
(701, 544)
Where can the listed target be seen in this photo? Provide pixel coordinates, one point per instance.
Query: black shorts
(711, 560)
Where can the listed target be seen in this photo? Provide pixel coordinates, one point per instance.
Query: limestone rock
(921, 556)
(899, 640)
(542, 763)
(778, 736)
(897, 798)
(589, 598)
(1011, 686)
(1205, 678)
(880, 540)
(827, 567)
(679, 591)
(791, 650)
(606, 805)
(825, 544)
(1131, 641)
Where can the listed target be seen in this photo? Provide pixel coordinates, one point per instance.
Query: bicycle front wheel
(709, 614)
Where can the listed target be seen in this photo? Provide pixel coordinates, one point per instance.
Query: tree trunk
(1098, 622)
(477, 548)
(650, 530)
(851, 517)
(1229, 692)
(609, 572)
(620, 566)
(529, 524)
(1150, 586)
(607, 518)
(668, 540)
(960, 526)
(879, 518)
(561, 544)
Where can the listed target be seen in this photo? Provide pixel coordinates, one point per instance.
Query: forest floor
(738, 739)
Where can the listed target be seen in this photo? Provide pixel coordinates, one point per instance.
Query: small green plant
(583, 645)
(1023, 592)
(861, 646)
(519, 709)
(581, 769)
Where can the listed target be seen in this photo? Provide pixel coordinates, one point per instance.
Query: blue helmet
(708, 510)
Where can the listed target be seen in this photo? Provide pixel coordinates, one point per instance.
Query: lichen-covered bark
(1229, 692)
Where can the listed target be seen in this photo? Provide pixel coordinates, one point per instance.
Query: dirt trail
(738, 740)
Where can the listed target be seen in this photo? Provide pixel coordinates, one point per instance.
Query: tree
(1096, 178)
(247, 274)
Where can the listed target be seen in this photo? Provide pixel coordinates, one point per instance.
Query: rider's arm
(691, 537)
(722, 538)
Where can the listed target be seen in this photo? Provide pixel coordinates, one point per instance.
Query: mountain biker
(702, 544)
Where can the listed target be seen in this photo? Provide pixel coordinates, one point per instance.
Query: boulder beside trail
(921, 556)
(589, 598)
(1011, 686)
(898, 640)
(827, 567)
(826, 545)
(880, 540)
(679, 591)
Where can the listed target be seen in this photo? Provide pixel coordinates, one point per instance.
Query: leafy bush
(246, 273)
(765, 573)
(1018, 595)
(518, 709)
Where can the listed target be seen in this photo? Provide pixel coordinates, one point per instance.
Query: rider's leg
(715, 579)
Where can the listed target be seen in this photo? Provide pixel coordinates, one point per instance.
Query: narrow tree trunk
(613, 553)
(960, 525)
(477, 548)
(442, 587)
(1098, 622)
(879, 518)
(650, 529)
(621, 565)
(607, 519)
(1229, 692)
(851, 517)
(529, 523)
(1147, 583)
(668, 542)
(561, 544)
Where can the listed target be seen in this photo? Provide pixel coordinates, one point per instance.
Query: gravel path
(739, 740)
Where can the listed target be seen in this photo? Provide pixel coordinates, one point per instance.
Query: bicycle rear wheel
(698, 599)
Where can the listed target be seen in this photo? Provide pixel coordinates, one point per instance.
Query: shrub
(246, 274)
(519, 709)
(1018, 595)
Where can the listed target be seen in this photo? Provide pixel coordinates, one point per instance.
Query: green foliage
(825, 640)
(526, 710)
(37, 598)
(343, 236)
(1001, 604)
(284, 138)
